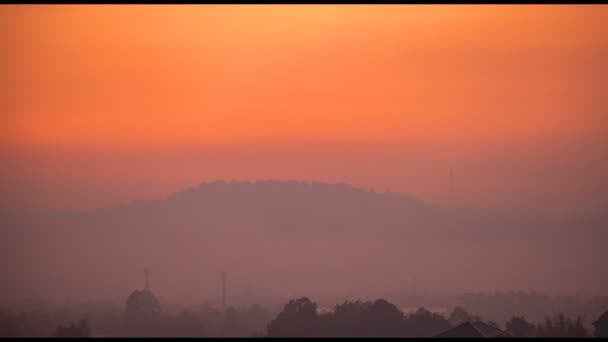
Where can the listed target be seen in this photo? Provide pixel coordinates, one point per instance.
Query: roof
(603, 318)
(474, 329)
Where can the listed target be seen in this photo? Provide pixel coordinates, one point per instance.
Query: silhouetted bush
(298, 319)
(517, 326)
(74, 330)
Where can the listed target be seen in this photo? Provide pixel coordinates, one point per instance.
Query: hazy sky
(103, 104)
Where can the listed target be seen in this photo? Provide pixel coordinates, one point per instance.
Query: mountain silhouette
(277, 207)
(298, 237)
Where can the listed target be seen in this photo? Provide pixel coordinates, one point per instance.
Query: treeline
(501, 306)
(556, 326)
(202, 321)
(381, 318)
(142, 317)
(206, 321)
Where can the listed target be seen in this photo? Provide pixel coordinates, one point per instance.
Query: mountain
(296, 237)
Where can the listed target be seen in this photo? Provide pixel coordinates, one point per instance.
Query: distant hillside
(277, 207)
(297, 237)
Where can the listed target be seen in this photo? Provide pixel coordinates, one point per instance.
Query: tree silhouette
(142, 304)
(424, 323)
(298, 319)
(379, 318)
(459, 315)
(345, 321)
(561, 326)
(74, 330)
(142, 314)
(517, 326)
(384, 320)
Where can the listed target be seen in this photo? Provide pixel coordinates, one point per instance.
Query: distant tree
(517, 326)
(74, 330)
(362, 319)
(383, 319)
(561, 326)
(459, 315)
(142, 304)
(576, 328)
(142, 315)
(552, 327)
(379, 318)
(601, 325)
(424, 323)
(298, 319)
(346, 320)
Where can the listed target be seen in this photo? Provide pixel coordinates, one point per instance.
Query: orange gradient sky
(460, 84)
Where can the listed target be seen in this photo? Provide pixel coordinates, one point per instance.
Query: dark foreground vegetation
(143, 317)
(380, 318)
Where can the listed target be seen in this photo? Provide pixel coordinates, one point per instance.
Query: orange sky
(473, 78)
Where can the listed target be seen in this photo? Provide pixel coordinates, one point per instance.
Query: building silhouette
(474, 329)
